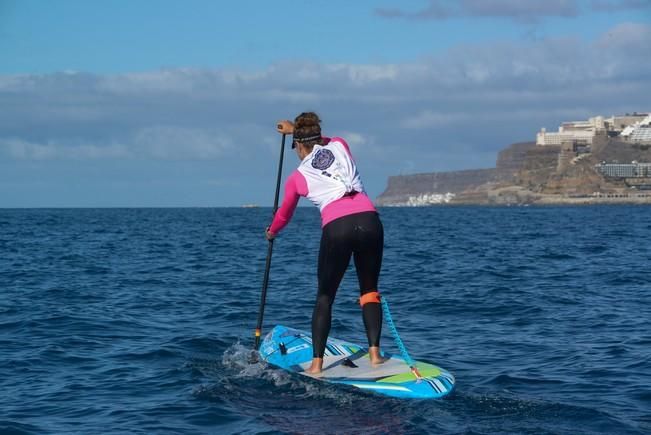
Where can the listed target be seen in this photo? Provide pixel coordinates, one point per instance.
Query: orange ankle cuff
(369, 297)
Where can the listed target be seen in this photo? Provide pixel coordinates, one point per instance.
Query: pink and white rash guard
(329, 178)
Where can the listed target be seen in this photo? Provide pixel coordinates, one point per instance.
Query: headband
(307, 138)
(304, 139)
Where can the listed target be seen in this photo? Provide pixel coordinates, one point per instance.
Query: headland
(598, 161)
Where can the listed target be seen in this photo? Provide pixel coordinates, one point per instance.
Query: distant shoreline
(546, 203)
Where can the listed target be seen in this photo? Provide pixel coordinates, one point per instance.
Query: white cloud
(356, 139)
(175, 143)
(24, 150)
(619, 5)
(154, 143)
(466, 95)
(517, 10)
(429, 119)
(21, 149)
(631, 37)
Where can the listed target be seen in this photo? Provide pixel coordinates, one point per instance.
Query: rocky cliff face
(403, 187)
(525, 173)
(612, 150)
(538, 164)
(579, 177)
(511, 158)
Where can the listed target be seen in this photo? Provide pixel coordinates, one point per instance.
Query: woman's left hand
(269, 235)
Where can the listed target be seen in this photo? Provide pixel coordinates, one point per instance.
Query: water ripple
(141, 321)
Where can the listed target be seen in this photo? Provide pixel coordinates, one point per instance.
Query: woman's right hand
(285, 127)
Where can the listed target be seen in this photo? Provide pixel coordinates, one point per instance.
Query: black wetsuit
(362, 236)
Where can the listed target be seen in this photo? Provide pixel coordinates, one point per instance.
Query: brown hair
(307, 126)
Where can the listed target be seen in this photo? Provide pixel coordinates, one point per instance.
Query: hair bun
(307, 120)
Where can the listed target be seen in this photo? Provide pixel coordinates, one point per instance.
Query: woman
(327, 176)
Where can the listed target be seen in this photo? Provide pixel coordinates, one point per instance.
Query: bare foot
(316, 367)
(375, 356)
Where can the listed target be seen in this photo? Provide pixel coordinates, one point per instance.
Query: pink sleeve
(344, 143)
(295, 187)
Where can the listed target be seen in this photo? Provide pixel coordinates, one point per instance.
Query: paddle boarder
(327, 176)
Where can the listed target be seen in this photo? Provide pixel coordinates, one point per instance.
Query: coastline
(529, 174)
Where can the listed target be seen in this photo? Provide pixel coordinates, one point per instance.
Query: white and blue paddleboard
(347, 363)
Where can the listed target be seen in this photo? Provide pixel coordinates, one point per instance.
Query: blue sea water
(141, 321)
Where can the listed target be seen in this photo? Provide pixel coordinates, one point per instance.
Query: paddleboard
(347, 363)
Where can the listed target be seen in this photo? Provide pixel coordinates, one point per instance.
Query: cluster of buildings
(635, 128)
(577, 137)
(428, 199)
(625, 170)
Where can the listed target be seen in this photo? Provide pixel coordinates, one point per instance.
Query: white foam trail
(248, 365)
(244, 360)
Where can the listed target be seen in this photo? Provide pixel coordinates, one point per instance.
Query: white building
(580, 131)
(639, 131)
(584, 131)
(625, 170)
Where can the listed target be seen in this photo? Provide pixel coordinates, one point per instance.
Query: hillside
(527, 174)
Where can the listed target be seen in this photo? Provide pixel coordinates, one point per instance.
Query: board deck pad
(347, 363)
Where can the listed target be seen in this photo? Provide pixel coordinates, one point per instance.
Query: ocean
(142, 321)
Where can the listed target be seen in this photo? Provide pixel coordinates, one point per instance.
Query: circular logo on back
(323, 159)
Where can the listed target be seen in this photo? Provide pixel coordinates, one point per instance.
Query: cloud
(173, 143)
(431, 119)
(619, 5)
(634, 38)
(150, 143)
(436, 10)
(428, 119)
(478, 97)
(516, 10)
(24, 150)
(519, 10)
(513, 9)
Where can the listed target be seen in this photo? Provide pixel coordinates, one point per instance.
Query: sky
(173, 104)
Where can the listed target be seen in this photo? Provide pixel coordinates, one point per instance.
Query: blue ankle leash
(394, 331)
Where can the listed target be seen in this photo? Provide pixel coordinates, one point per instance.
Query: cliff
(402, 187)
(527, 174)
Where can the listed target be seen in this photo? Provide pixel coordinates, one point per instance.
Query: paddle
(265, 281)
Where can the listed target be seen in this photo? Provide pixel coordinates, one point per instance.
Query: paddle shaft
(267, 267)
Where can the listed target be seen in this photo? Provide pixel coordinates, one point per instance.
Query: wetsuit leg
(334, 256)
(367, 254)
